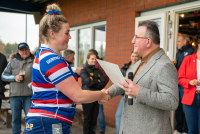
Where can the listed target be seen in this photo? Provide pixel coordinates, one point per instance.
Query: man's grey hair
(68, 52)
(151, 31)
(185, 37)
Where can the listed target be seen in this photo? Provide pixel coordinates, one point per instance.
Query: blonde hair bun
(52, 7)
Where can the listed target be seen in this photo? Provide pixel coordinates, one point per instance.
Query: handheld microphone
(130, 99)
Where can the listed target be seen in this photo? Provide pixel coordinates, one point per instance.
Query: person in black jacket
(134, 59)
(92, 79)
(184, 49)
(3, 63)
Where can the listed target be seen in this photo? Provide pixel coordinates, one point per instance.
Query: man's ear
(185, 42)
(17, 50)
(149, 42)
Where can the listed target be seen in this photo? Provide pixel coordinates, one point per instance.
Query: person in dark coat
(92, 79)
(3, 63)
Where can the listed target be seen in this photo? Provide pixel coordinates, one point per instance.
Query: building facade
(109, 26)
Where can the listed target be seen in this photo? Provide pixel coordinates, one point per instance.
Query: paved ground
(76, 129)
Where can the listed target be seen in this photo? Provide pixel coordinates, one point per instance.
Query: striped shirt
(49, 69)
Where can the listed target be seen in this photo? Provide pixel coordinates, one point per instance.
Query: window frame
(77, 28)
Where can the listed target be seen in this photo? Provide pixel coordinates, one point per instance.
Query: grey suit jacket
(158, 94)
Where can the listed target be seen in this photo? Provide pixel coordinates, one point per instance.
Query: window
(86, 37)
(72, 41)
(84, 44)
(100, 41)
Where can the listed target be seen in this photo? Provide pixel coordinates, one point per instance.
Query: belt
(197, 92)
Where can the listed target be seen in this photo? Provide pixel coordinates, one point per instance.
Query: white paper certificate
(113, 72)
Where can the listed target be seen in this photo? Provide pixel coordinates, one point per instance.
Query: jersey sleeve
(54, 67)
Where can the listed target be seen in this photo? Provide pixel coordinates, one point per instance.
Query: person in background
(18, 72)
(184, 49)
(69, 57)
(189, 78)
(92, 79)
(54, 84)
(12, 56)
(101, 117)
(3, 63)
(127, 67)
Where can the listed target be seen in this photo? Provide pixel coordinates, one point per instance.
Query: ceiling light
(193, 44)
(182, 15)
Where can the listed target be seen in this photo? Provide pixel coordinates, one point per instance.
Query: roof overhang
(22, 6)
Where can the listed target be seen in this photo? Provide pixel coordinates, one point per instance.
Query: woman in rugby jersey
(54, 84)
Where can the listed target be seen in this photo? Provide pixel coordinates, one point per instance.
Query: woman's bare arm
(70, 88)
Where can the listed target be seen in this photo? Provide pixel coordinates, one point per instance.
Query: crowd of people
(45, 85)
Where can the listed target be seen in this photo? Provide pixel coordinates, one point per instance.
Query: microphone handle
(130, 100)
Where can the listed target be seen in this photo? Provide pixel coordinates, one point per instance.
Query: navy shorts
(43, 125)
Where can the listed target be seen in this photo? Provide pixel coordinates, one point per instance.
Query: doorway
(189, 24)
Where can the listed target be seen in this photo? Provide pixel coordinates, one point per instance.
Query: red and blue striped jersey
(49, 68)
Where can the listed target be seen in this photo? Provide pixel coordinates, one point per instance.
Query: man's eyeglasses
(136, 37)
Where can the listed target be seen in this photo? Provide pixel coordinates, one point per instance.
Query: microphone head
(130, 75)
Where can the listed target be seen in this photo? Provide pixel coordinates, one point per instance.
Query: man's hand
(194, 82)
(18, 78)
(131, 88)
(78, 70)
(106, 96)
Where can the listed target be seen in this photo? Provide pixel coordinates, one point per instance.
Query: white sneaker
(176, 132)
(184, 133)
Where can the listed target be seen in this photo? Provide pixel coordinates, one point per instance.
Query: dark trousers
(90, 112)
(179, 114)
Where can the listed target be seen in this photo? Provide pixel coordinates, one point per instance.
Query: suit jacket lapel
(149, 65)
(136, 66)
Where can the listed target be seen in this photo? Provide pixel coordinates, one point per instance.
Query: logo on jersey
(52, 59)
(29, 126)
(185, 53)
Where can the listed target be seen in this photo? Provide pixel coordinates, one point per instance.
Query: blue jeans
(119, 114)
(192, 114)
(101, 118)
(16, 104)
(43, 125)
(179, 114)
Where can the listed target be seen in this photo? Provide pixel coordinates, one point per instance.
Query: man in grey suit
(154, 87)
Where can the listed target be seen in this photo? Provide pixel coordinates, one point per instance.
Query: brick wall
(120, 18)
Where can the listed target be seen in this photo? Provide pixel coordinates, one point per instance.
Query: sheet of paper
(113, 72)
(73, 69)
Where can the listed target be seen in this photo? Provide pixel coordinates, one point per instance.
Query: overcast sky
(12, 29)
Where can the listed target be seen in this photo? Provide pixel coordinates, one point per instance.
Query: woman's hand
(194, 82)
(105, 97)
(91, 78)
(29, 84)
